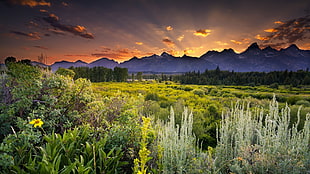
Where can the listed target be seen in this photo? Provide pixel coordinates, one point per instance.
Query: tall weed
(251, 142)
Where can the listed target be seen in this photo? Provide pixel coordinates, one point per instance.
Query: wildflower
(36, 122)
(239, 159)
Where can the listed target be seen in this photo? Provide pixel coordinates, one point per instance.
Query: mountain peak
(165, 54)
(293, 47)
(229, 51)
(268, 49)
(253, 49)
(253, 46)
(80, 61)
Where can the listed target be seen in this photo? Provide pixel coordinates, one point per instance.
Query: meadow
(53, 123)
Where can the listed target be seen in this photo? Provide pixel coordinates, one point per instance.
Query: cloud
(30, 36)
(77, 30)
(43, 11)
(32, 24)
(169, 28)
(236, 42)
(76, 55)
(56, 31)
(64, 4)
(278, 22)
(259, 37)
(287, 32)
(180, 38)
(30, 3)
(203, 33)
(139, 43)
(221, 43)
(119, 54)
(41, 47)
(188, 51)
(271, 30)
(168, 42)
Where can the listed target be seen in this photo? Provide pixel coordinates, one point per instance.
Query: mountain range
(252, 59)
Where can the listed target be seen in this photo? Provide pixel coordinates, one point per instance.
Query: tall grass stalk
(249, 141)
(178, 151)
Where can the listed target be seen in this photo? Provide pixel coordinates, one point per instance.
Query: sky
(87, 30)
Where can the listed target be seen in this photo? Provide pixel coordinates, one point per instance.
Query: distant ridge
(252, 59)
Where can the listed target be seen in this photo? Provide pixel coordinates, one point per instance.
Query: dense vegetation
(218, 77)
(101, 74)
(209, 77)
(55, 123)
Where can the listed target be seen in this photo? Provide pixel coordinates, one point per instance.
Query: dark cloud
(168, 42)
(31, 35)
(78, 30)
(287, 32)
(30, 3)
(41, 47)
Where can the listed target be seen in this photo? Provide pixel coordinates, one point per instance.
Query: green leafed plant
(76, 151)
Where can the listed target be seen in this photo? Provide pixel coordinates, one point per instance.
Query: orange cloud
(221, 43)
(180, 38)
(271, 30)
(76, 55)
(119, 54)
(189, 51)
(261, 38)
(278, 22)
(169, 28)
(79, 28)
(139, 43)
(168, 42)
(53, 16)
(236, 42)
(203, 33)
(30, 3)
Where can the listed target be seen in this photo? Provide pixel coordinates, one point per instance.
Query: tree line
(101, 74)
(218, 77)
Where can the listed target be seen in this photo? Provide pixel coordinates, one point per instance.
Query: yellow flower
(239, 159)
(36, 122)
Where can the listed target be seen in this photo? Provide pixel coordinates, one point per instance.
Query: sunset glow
(89, 30)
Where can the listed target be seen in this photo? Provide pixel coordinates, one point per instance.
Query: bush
(304, 103)
(177, 150)
(76, 151)
(152, 96)
(198, 92)
(250, 142)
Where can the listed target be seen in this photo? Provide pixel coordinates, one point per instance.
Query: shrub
(251, 142)
(76, 151)
(177, 150)
(152, 96)
(199, 92)
(304, 103)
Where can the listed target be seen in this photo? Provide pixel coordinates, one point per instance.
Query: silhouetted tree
(10, 60)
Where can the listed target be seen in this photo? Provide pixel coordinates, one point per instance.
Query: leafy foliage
(218, 77)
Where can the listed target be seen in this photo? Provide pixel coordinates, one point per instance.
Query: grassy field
(206, 102)
(51, 123)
